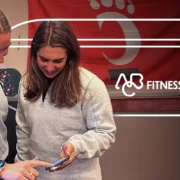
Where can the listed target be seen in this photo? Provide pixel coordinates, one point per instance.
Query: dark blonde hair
(4, 24)
(65, 91)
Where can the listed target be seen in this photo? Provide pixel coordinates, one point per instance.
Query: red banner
(152, 63)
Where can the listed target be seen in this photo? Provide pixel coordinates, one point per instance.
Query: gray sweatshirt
(42, 129)
(3, 131)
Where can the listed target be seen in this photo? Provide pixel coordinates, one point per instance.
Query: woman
(64, 110)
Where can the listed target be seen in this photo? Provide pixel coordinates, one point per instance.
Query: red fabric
(154, 64)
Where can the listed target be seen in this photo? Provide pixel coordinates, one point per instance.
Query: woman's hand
(67, 150)
(22, 170)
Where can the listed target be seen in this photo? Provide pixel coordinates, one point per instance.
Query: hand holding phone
(58, 163)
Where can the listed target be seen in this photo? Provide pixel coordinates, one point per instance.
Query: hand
(67, 150)
(23, 170)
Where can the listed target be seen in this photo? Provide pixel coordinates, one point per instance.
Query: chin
(50, 77)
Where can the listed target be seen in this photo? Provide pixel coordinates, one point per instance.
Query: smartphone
(58, 163)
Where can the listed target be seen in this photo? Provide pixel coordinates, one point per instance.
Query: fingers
(29, 175)
(66, 164)
(68, 148)
(36, 163)
(62, 154)
(23, 178)
(21, 170)
(72, 157)
(36, 158)
(33, 172)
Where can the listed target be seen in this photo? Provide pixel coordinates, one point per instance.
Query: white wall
(16, 12)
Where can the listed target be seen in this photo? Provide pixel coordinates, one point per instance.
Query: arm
(3, 129)
(97, 112)
(22, 130)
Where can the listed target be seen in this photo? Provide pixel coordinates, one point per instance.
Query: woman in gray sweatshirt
(63, 110)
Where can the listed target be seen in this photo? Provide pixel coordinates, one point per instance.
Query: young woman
(64, 110)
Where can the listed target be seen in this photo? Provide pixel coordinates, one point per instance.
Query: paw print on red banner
(120, 4)
(129, 29)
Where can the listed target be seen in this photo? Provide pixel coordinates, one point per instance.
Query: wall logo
(127, 26)
(130, 83)
(150, 85)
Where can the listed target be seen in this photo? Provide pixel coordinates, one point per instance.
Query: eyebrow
(52, 60)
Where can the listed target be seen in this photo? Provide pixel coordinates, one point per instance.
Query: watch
(2, 164)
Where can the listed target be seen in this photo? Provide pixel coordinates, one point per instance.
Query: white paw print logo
(129, 29)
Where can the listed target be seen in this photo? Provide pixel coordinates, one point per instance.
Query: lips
(50, 73)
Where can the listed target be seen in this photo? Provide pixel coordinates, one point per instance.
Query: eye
(43, 59)
(58, 61)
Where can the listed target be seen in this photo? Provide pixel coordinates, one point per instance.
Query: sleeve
(97, 112)
(3, 130)
(22, 130)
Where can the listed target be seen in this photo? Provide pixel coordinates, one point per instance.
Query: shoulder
(22, 83)
(90, 81)
(86, 75)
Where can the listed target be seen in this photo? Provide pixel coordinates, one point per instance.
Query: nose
(50, 67)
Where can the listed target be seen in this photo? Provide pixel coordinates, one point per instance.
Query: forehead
(5, 39)
(52, 52)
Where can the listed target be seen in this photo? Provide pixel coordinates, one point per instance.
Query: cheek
(61, 66)
(40, 63)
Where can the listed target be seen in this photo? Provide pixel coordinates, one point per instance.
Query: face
(51, 60)
(5, 42)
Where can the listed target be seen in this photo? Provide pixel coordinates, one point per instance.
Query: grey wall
(145, 149)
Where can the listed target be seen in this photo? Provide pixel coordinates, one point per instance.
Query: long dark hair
(65, 91)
